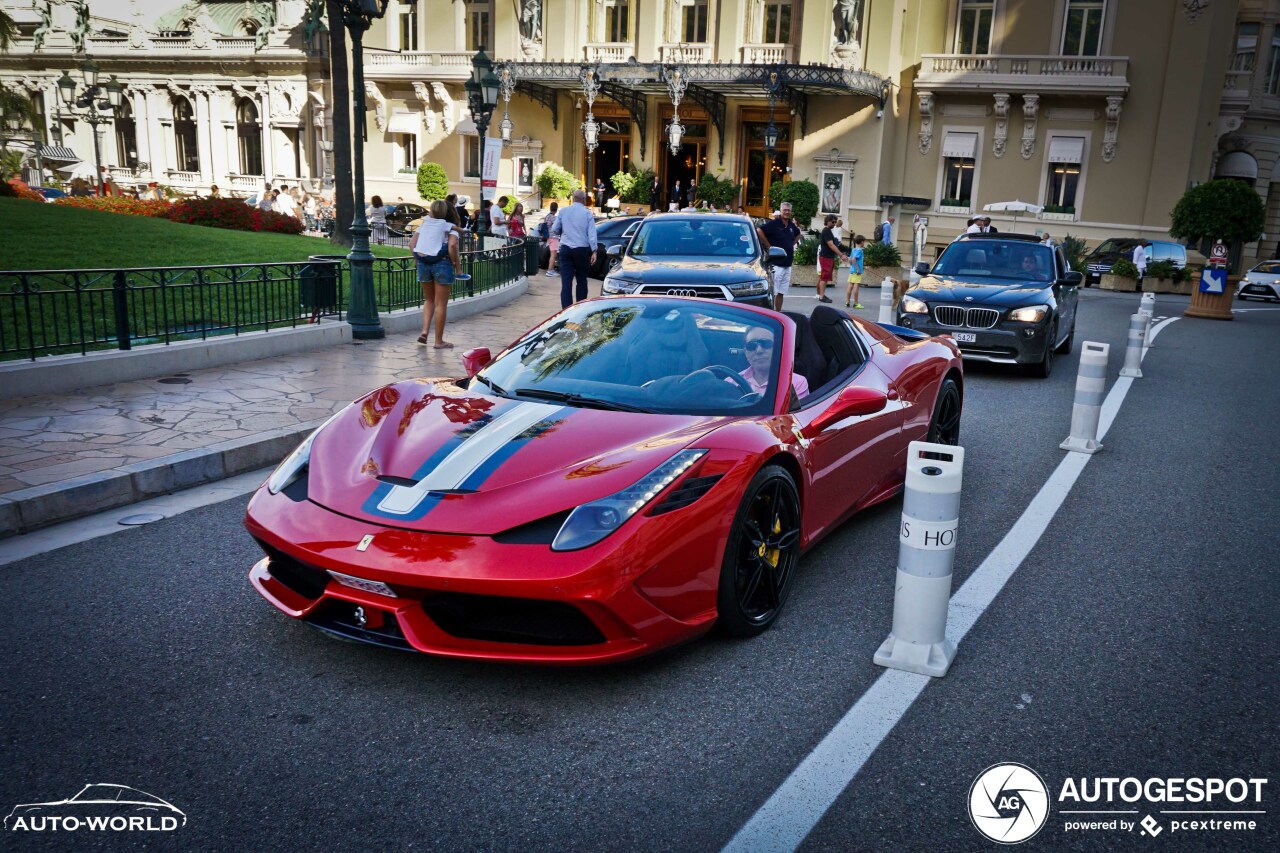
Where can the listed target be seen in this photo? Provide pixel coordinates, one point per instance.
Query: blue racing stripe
(457, 439)
(495, 461)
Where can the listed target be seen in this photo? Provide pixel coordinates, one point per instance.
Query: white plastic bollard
(1091, 385)
(926, 555)
(1148, 308)
(1133, 350)
(886, 301)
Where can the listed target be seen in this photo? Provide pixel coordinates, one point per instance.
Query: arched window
(249, 137)
(184, 136)
(126, 135)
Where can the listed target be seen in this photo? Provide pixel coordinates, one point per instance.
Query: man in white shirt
(285, 203)
(497, 221)
(1140, 260)
(575, 227)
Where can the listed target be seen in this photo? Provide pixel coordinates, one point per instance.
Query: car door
(1067, 296)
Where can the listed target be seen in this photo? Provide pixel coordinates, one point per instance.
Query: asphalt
(1138, 639)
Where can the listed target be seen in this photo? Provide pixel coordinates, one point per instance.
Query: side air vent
(686, 493)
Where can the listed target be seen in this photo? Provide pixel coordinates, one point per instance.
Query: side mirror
(614, 251)
(1073, 278)
(852, 402)
(475, 360)
(777, 253)
(922, 268)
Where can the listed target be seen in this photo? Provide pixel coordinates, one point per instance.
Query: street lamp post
(362, 311)
(96, 109)
(482, 97)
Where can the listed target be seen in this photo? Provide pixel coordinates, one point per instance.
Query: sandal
(422, 339)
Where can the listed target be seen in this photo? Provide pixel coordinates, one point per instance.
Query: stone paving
(48, 439)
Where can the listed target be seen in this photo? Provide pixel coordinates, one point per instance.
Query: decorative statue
(314, 20)
(82, 28)
(46, 24)
(848, 21)
(265, 12)
(531, 20)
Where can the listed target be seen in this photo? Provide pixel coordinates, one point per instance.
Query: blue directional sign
(1213, 281)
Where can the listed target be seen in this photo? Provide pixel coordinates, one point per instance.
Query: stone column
(142, 121)
(203, 122)
(268, 138)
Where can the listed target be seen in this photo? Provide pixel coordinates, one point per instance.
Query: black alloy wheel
(1044, 367)
(944, 428)
(761, 556)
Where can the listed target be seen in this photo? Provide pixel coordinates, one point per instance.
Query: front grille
(958, 316)
(307, 581)
(338, 618)
(705, 291)
(499, 619)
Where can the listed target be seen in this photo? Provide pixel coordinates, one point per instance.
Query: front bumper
(650, 585)
(1005, 343)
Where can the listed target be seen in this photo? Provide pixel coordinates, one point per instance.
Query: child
(855, 272)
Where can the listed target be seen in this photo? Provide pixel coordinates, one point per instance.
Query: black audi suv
(1005, 298)
(713, 255)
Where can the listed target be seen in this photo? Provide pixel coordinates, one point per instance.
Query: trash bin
(318, 284)
(531, 246)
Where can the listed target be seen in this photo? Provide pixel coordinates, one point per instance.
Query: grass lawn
(51, 236)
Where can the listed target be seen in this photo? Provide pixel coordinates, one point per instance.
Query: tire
(760, 565)
(944, 426)
(1043, 369)
(1066, 346)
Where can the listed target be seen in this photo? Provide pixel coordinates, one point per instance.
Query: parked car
(612, 484)
(612, 232)
(51, 194)
(1261, 282)
(716, 256)
(1005, 298)
(399, 217)
(1099, 261)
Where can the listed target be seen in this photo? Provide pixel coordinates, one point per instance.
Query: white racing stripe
(788, 816)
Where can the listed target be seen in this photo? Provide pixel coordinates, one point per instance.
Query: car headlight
(746, 288)
(296, 462)
(911, 305)
(1029, 314)
(590, 523)
(614, 284)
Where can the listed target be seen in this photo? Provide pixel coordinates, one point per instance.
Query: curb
(40, 506)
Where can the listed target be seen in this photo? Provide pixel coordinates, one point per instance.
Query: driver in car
(1031, 267)
(759, 348)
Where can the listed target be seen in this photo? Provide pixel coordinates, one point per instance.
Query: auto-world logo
(98, 808)
(1008, 803)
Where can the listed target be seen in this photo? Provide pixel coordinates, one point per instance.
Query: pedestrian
(310, 209)
(783, 233)
(855, 272)
(655, 193)
(576, 229)
(378, 220)
(553, 242)
(828, 251)
(885, 232)
(214, 192)
(600, 193)
(742, 211)
(692, 194)
(435, 247)
(973, 227)
(677, 196)
(266, 201)
(284, 202)
(1047, 240)
(515, 224)
(1140, 260)
(987, 227)
(497, 218)
(482, 215)
(464, 218)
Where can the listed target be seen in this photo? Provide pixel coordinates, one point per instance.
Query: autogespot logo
(1008, 803)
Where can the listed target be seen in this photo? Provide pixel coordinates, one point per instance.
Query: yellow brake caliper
(772, 554)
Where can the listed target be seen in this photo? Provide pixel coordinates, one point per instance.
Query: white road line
(47, 539)
(788, 816)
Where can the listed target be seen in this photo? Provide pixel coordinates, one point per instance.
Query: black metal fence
(51, 312)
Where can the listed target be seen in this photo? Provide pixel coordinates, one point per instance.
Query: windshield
(694, 235)
(653, 355)
(1120, 246)
(997, 259)
(1272, 267)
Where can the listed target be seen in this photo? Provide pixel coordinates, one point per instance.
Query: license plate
(376, 587)
(965, 337)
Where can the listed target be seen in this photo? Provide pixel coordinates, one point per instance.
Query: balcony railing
(179, 177)
(609, 51)
(246, 182)
(693, 53)
(381, 63)
(1085, 74)
(765, 54)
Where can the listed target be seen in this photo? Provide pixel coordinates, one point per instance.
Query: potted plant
(881, 261)
(803, 196)
(554, 184)
(1224, 209)
(632, 187)
(1123, 277)
(1161, 277)
(804, 267)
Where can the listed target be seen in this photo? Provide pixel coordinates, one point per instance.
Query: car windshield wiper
(579, 400)
(497, 389)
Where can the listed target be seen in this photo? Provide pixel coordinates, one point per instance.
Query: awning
(58, 152)
(1066, 149)
(403, 121)
(956, 144)
(466, 126)
(1237, 164)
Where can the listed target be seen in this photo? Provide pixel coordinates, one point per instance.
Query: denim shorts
(441, 271)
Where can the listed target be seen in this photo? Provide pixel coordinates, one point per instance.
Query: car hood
(997, 293)
(430, 455)
(686, 270)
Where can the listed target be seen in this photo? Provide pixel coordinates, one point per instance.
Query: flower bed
(227, 213)
(117, 204)
(15, 188)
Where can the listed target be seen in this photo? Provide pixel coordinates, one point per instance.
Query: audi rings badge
(682, 291)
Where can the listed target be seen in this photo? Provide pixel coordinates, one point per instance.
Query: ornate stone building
(1104, 111)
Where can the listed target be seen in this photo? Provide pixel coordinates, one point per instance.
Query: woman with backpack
(553, 243)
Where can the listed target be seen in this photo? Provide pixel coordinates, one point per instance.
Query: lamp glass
(771, 136)
(115, 91)
(480, 66)
(66, 88)
(590, 132)
(491, 85)
(675, 133)
(506, 127)
(89, 71)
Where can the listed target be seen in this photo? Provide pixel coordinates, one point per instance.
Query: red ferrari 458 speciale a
(625, 476)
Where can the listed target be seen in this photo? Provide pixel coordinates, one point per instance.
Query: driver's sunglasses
(760, 344)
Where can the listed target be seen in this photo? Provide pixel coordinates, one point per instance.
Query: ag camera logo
(1008, 803)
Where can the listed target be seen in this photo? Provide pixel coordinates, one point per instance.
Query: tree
(803, 196)
(433, 181)
(1225, 209)
(343, 193)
